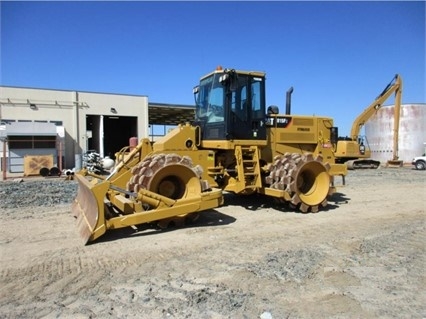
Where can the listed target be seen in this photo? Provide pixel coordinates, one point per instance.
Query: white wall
(60, 105)
(125, 105)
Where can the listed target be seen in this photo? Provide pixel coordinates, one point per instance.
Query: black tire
(44, 171)
(54, 171)
(420, 165)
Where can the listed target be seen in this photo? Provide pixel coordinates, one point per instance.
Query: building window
(31, 142)
(20, 142)
(7, 121)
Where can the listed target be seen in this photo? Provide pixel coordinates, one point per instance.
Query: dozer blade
(88, 208)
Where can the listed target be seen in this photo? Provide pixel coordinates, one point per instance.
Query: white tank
(412, 132)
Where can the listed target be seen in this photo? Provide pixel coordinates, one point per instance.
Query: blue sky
(338, 56)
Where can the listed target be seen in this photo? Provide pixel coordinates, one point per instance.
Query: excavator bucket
(88, 208)
(394, 163)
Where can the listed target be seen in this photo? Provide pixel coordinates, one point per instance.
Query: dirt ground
(362, 257)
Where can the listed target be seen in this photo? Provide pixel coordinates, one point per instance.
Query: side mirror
(223, 78)
(232, 77)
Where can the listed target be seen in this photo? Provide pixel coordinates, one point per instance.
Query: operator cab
(230, 105)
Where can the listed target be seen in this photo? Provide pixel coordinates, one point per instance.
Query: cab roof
(220, 70)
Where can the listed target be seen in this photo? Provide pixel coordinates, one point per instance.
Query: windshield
(210, 100)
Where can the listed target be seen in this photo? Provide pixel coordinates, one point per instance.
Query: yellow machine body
(235, 145)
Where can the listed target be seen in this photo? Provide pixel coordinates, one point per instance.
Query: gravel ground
(361, 257)
(19, 193)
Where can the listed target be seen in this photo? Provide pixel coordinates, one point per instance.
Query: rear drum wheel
(304, 177)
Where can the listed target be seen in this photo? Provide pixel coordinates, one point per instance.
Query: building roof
(170, 114)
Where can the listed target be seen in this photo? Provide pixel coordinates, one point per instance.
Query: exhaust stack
(288, 101)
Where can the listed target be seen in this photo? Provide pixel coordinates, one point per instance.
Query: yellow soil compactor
(234, 144)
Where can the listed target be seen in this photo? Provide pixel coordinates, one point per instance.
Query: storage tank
(412, 132)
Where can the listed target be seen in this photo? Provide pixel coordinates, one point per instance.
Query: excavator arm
(395, 86)
(396, 118)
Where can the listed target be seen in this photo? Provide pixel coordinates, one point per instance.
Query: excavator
(354, 150)
(234, 144)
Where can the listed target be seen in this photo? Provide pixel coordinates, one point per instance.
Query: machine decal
(278, 121)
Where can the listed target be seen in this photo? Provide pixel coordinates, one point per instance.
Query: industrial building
(59, 126)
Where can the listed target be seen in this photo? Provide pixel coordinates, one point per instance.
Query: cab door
(246, 120)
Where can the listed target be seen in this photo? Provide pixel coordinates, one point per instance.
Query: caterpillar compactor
(234, 144)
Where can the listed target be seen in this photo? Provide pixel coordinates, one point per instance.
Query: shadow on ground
(258, 201)
(206, 218)
(213, 217)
